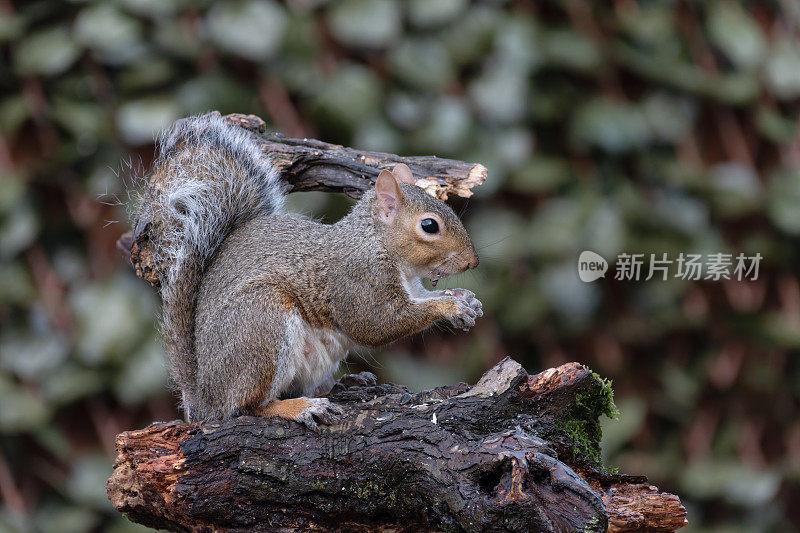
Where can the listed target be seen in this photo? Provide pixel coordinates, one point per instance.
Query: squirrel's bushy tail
(209, 177)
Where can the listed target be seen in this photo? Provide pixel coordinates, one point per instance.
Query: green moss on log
(581, 423)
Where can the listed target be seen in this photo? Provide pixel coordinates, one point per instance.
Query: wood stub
(455, 458)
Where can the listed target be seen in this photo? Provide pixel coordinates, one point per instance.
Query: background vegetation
(637, 126)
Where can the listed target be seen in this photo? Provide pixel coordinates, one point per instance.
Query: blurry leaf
(143, 375)
(421, 63)
(11, 26)
(669, 118)
(679, 212)
(15, 284)
(488, 142)
(630, 203)
(520, 313)
(407, 110)
(660, 299)
(604, 231)
(115, 36)
(553, 103)
(58, 518)
(611, 125)
(152, 8)
(496, 233)
(123, 525)
(783, 69)
(69, 265)
(784, 197)
(736, 189)
(87, 480)
(735, 89)
(737, 483)
(427, 14)
(517, 43)
(252, 29)
(71, 383)
(365, 23)
(774, 126)
(573, 299)
(471, 36)
(680, 387)
(111, 318)
(736, 33)
(18, 229)
(298, 76)
(349, 96)
(13, 522)
(619, 432)
(146, 75)
(556, 229)
(302, 38)
(540, 174)
(140, 120)
(781, 330)
(32, 357)
(174, 39)
(377, 135)
(754, 488)
(651, 23)
(20, 409)
(565, 48)
(502, 150)
(761, 375)
(53, 441)
(213, 91)
(672, 70)
(500, 93)
(683, 175)
(80, 118)
(13, 112)
(446, 129)
(12, 191)
(48, 52)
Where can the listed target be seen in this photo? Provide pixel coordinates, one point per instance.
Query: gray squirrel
(259, 307)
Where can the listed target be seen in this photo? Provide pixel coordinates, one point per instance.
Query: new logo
(591, 266)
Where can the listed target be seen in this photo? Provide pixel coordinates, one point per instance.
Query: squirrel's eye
(429, 225)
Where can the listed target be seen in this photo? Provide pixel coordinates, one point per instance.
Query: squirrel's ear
(388, 194)
(403, 173)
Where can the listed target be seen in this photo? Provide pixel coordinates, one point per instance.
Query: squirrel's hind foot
(307, 411)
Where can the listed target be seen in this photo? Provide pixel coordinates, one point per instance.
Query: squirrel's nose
(465, 260)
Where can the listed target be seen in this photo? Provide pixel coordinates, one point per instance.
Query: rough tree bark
(512, 453)
(311, 165)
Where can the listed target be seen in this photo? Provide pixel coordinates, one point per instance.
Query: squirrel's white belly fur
(310, 361)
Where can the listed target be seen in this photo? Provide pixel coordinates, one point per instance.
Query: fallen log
(515, 452)
(312, 165)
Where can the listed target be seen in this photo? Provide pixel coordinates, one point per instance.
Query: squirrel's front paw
(319, 409)
(468, 308)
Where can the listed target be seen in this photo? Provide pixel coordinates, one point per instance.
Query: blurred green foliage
(640, 126)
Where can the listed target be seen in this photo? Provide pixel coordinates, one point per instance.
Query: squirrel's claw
(319, 409)
(469, 308)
